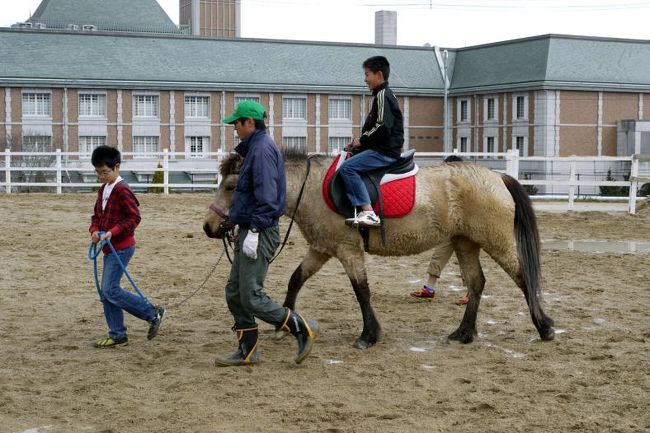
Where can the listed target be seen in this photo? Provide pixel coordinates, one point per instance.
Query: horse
(474, 207)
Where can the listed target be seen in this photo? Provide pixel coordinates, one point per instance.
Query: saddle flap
(395, 185)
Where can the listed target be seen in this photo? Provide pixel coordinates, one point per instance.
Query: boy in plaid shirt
(117, 215)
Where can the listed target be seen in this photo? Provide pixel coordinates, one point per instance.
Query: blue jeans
(117, 300)
(353, 167)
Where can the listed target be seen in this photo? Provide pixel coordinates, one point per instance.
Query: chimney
(386, 27)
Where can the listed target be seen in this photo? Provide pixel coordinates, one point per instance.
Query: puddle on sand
(599, 246)
(417, 349)
(333, 361)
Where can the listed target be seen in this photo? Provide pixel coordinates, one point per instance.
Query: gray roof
(553, 62)
(112, 15)
(57, 58)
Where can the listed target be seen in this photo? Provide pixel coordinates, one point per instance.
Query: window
(145, 106)
(37, 143)
(197, 107)
(519, 145)
(88, 143)
(490, 109)
(520, 108)
(490, 145)
(241, 98)
(336, 144)
(294, 108)
(36, 104)
(197, 147)
(145, 146)
(92, 104)
(464, 117)
(298, 143)
(463, 144)
(340, 109)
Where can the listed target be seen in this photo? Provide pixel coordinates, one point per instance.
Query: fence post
(634, 174)
(59, 188)
(8, 171)
(512, 163)
(166, 170)
(572, 184)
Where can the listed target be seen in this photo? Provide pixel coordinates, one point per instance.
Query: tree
(158, 177)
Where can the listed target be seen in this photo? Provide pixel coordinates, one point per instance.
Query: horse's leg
(311, 263)
(467, 253)
(509, 262)
(354, 264)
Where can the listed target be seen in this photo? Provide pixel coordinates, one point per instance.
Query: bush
(530, 189)
(158, 177)
(615, 191)
(644, 191)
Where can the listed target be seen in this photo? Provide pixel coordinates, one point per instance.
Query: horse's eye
(230, 187)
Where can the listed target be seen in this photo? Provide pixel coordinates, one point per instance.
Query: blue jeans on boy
(353, 167)
(117, 300)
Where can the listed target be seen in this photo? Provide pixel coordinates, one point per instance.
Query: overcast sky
(447, 23)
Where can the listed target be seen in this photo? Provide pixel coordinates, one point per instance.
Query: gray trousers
(245, 293)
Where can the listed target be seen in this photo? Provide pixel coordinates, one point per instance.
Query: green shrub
(158, 177)
(530, 189)
(644, 191)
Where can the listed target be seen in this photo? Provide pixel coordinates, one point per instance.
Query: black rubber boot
(246, 353)
(303, 330)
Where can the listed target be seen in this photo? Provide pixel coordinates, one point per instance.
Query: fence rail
(203, 172)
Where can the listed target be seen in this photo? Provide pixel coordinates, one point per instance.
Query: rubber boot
(246, 353)
(304, 331)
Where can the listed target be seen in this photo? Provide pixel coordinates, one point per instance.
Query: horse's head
(216, 223)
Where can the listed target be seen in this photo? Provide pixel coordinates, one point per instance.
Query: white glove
(250, 245)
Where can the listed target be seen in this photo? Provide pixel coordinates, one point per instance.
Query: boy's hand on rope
(94, 238)
(105, 236)
(250, 245)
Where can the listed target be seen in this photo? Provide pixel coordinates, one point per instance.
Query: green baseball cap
(246, 109)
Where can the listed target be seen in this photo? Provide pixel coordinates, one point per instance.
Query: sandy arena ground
(594, 377)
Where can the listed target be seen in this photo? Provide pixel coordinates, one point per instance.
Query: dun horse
(473, 206)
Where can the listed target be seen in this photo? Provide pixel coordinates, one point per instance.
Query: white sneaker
(365, 218)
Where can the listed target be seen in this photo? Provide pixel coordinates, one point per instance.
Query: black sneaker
(154, 324)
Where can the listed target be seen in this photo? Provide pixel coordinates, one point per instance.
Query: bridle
(226, 227)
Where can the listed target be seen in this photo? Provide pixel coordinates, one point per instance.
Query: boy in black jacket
(380, 144)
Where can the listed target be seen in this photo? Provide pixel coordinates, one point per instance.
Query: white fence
(559, 177)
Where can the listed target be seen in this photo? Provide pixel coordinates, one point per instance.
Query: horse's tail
(528, 253)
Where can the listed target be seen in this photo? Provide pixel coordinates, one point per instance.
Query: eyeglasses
(103, 172)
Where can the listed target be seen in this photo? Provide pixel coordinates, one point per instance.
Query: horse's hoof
(462, 336)
(547, 334)
(362, 344)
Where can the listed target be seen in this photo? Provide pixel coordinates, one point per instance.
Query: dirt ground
(594, 377)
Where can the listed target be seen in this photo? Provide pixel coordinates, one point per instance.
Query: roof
(58, 58)
(114, 15)
(553, 62)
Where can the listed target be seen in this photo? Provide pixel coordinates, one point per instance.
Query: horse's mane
(298, 154)
(230, 164)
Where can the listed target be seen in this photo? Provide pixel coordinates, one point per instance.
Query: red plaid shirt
(120, 217)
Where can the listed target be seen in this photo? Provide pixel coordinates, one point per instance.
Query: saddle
(391, 189)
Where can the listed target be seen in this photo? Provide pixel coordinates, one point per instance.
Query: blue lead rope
(94, 251)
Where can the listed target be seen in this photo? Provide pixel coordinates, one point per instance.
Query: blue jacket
(261, 192)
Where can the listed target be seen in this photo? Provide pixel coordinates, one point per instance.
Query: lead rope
(93, 253)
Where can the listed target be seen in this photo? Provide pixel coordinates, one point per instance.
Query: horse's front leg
(354, 264)
(311, 263)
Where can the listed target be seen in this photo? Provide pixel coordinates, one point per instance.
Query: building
(145, 90)
(211, 18)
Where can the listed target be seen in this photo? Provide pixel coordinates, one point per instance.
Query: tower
(211, 18)
(386, 27)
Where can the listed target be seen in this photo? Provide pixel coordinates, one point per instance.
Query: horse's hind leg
(311, 263)
(467, 253)
(353, 263)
